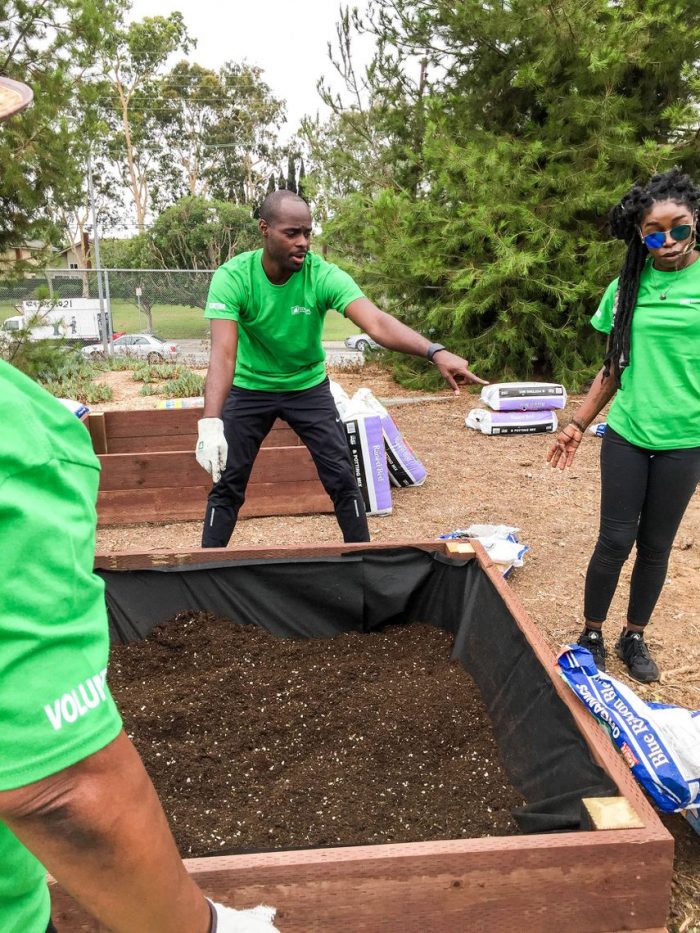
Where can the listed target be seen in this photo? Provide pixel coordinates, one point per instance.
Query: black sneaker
(593, 640)
(632, 649)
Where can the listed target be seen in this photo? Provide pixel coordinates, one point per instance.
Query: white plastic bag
(499, 541)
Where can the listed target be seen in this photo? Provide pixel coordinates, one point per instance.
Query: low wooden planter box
(127, 432)
(150, 474)
(615, 875)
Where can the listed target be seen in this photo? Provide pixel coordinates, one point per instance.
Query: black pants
(644, 494)
(248, 416)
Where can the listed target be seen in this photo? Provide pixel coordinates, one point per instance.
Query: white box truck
(75, 320)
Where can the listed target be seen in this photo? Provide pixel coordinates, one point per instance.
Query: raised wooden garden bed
(613, 877)
(149, 472)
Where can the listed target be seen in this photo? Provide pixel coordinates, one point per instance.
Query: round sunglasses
(658, 238)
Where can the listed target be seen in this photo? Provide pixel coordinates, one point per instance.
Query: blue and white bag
(660, 743)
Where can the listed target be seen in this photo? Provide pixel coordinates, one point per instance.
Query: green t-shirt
(658, 404)
(279, 326)
(55, 707)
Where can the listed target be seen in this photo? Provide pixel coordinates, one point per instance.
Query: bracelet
(433, 349)
(577, 424)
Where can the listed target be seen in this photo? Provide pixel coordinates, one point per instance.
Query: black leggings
(248, 416)
(643, 496)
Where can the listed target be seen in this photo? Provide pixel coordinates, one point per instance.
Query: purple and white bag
(511, 422)
(524, 396)
(405, 469)
(363, 430)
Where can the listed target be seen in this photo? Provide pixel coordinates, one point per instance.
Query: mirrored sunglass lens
(681, 233)
(655, 240)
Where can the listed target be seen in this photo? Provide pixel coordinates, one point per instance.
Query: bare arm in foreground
(98, 827)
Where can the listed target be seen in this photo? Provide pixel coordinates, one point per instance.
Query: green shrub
(149, 389)
(119, 364)
(83, 389)
(156, 372)
(187, 385)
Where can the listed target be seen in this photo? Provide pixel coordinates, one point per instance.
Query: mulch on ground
(258, 743)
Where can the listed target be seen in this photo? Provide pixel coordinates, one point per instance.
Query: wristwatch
(433, 349)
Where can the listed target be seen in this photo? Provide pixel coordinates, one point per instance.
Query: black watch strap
(433, 349)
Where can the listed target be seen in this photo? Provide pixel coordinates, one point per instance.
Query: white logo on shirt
(299, 309)
(215, 306)
(689, 301)
(79, 701)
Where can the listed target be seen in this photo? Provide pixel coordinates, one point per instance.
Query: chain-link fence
(169, 302)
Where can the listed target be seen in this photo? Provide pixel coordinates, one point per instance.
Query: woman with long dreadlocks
(650, 456)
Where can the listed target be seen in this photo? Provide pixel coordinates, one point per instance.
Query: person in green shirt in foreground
(650, 456)
(267, 309)
(74, 795)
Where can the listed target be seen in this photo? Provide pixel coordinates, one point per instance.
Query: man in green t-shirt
(267, 309)
(74, 795)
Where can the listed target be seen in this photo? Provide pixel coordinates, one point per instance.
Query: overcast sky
(288, 40)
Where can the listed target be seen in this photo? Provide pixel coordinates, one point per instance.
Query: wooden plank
(158, 469)
(611, 813)
(152, 422)
(460, 548)
(182, 504)
(577, 882)
(98, 431)
(281, 436)
(603, 751)
(139, 427)
(159, 557)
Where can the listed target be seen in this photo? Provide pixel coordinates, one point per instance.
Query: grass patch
(187, 385)
(82, 390)
(75, 379)
(157, 372)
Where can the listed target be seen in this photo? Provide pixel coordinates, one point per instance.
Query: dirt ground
(475, 478)
(310, 723)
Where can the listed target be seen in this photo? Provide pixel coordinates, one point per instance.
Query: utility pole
(105, 326)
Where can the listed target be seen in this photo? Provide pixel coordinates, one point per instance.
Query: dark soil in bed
(256, 743)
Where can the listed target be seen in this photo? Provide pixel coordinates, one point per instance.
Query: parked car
(143, 346)
(362, 342)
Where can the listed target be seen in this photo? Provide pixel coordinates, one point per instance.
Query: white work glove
(257, 920)
(211, 450)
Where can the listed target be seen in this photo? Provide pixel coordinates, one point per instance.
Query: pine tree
(481, 219)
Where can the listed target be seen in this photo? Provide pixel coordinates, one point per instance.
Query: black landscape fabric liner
(541, 747)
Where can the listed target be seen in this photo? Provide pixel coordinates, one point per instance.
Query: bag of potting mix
(511, 422)
(524, 396)
(178, 403)
(80, 410)
(660, 743)
(500, 542)
(363, 430)
(405, 469)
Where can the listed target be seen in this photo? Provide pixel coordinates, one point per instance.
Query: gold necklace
(663, 294)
